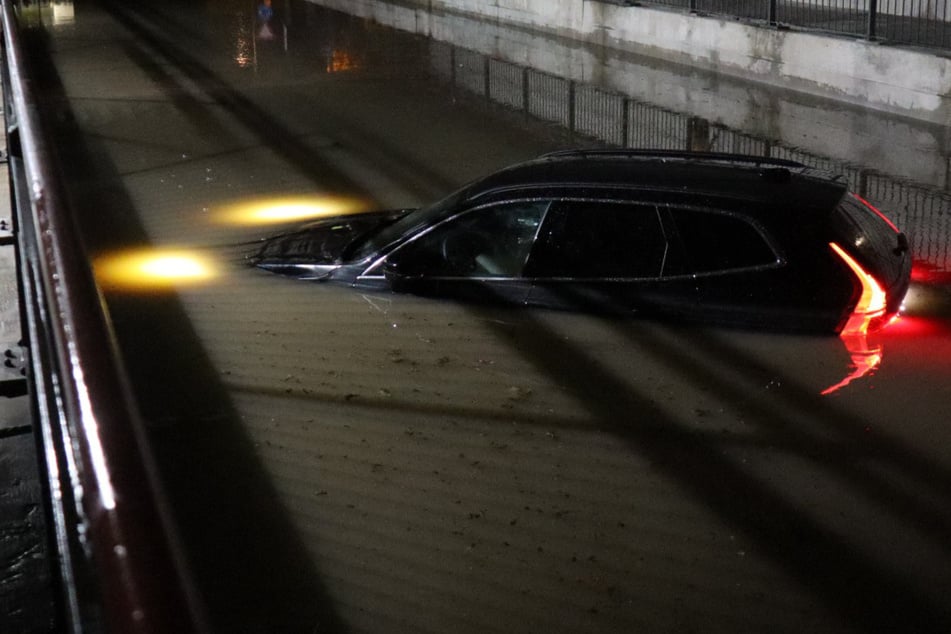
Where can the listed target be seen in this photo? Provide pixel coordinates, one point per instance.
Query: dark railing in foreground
(117, 562)
(915, 22)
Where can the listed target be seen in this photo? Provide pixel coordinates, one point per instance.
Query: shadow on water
(251, 566)
(398, 157)
(865, 593)
(271, 133)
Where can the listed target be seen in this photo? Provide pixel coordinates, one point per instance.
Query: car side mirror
(410, 269)
(407, 262)
(391, 268)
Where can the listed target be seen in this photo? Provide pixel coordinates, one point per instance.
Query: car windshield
(383, 236)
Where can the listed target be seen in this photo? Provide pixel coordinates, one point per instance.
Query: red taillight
(872, 302)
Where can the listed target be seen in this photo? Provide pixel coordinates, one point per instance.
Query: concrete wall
(900, 147)
(908, 82)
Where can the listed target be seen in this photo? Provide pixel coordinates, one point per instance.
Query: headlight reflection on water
(264, 211)
(153, 269)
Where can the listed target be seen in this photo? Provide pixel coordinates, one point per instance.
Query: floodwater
(339, 461)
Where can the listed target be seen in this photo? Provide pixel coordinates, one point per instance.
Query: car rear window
(718, 241)
(865, 231)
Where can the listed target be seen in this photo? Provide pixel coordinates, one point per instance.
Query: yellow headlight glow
(264, 211)
(153, 269)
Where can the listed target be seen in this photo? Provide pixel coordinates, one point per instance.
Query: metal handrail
(119, 563)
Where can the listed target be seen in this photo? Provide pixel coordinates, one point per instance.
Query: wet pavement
(340, 461)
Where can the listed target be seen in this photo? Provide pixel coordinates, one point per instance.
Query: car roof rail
(676, 154)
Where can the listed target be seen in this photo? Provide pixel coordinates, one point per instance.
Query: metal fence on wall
(615, 119)
(915, 22)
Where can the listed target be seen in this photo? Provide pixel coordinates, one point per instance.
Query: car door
(479, 254)
(607, 255)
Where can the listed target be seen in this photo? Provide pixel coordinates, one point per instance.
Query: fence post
(698, 135)
(571, 107)
(626, 123)
(863, 184)
(872, 15)
(771, 16)
(526, 92)
(452, 66)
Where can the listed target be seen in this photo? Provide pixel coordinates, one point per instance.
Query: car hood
(324, 241)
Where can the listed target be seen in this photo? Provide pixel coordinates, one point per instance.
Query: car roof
(782, 183)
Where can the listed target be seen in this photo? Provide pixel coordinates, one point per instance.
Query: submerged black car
(719, 238)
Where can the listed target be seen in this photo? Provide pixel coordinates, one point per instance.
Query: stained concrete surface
(340, 461)
(26, 600)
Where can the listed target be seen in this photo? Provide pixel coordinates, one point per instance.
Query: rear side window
(716, 241)
(596, 239)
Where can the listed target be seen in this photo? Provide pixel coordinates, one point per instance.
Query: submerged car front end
(320, 249)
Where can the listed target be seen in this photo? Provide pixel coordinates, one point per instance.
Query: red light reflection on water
(911, 335)
(914, 326)
(924, 272)
(865, 360)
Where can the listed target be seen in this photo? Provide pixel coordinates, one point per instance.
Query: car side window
(489, 242)
(598, 239)
(716, 241)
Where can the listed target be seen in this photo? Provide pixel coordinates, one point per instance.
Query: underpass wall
(907, 82)
(621, 100)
